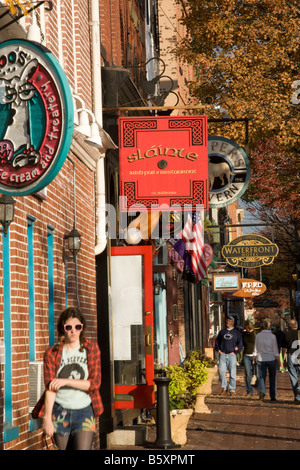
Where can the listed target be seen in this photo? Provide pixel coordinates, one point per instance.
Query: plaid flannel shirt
(52, 360)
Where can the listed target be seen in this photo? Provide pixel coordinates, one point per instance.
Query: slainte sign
(36, 117)
(163, 163)
(155, 151)
(250, 251)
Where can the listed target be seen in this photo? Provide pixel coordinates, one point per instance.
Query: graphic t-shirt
(73, 366)
(227, 340)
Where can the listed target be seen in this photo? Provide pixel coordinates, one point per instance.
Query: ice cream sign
(36, 117)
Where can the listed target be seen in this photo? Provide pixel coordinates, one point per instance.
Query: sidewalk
(240, 423)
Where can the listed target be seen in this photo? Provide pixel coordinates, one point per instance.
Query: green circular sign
(36, 117)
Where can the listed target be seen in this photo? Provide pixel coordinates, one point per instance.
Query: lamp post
(7, 212)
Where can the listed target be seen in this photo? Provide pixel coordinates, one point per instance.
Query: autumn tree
(275, 180)
(246, 53)
(247, 57)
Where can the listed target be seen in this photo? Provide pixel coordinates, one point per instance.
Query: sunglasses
(69, 327)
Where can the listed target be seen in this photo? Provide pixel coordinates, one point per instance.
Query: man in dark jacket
(228, 344)
(290, 353)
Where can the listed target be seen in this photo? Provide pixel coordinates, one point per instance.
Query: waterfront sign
(228, 172)
(36, 117)
(163, 163)
(250, 251)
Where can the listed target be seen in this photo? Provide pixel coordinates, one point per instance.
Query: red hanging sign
(163, 163)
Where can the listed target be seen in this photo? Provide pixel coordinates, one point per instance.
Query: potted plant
(205, 388)
(185, 381)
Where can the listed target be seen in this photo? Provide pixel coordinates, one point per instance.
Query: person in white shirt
(266, 355)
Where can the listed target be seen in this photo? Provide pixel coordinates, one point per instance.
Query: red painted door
(132, 326)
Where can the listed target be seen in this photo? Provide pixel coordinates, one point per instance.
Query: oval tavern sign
(250, 251)
(228, 171)
(36, 117)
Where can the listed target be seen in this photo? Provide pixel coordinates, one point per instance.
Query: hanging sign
(226, 282)
(208, 253)
(250, 288)
(250, 251)
(228, 171)
(36, 117)
(163, 163)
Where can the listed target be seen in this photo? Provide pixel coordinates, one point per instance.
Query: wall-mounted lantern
(158, 286)
(74, 244)
(7, 212)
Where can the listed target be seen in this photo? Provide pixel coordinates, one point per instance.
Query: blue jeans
(248, 365)
(227, 361)
(294, 372)
(263, 366)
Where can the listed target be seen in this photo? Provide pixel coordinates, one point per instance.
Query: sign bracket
(21, 15)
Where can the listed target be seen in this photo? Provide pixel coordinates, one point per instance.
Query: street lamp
(74, 243)
(7, 212)
(159, 285)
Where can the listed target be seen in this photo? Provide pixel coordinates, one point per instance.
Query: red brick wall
(122, 23)
(57, 211)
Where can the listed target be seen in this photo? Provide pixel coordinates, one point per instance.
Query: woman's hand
(48, 427)
(56, 384)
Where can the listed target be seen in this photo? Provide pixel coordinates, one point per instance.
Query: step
(135, 435)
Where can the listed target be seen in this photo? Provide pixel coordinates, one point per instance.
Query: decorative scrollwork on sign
(196, 127)
(130, 127)
(134, 200)
(197, 196)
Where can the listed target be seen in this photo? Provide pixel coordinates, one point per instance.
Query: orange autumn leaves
(247, 58)
(246, 54)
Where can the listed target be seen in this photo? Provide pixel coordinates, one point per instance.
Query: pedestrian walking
(72, 375)
(279, 336)
(248, 336)
(228, 344)
(277, 331)
(290, 352)
(266, 355)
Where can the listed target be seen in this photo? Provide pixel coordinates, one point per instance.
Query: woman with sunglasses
(72, 375)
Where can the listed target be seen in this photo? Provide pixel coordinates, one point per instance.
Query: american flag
(193, 237)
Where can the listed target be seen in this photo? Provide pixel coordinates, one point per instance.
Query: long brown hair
(71, 312)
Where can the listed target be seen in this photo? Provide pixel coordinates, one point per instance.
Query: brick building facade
(104, 54)
(36, 283)
(39, 276)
